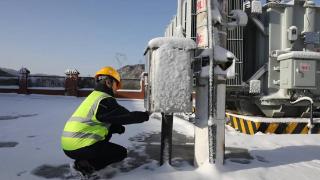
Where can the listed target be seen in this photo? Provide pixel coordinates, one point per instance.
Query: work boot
(74, 173)
(85, 170)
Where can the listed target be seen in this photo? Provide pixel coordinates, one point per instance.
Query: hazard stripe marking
(299, 128)
(246, 126)
(251, 131)
(239, 125)
(231, 122)
(272, 127)
(243, 129)
(257, 124)
(281, 128)
(254, 127)
(291, 127)
(251, 127)
(236, 126)
(305, 130)
(263, 127)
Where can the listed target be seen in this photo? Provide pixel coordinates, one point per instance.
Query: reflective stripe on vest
(82, 135)
(83, 129)
(88, 121)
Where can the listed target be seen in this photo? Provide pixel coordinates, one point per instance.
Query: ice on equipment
(169, 82)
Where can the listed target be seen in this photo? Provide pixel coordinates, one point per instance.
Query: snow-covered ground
(31, 125)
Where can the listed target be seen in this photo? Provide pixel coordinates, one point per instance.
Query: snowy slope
(30, 128)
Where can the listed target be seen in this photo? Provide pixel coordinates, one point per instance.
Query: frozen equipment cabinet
(298, 70)
(169, 77)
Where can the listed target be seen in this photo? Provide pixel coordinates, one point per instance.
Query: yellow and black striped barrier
(251, 127)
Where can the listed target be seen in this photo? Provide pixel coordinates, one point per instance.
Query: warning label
(305, 67)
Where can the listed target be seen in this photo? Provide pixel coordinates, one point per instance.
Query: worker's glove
(117, 129)
(149, 113)
(140, 116)
(108, 136)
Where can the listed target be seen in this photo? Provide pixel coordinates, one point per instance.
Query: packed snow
(299, 55)
(176, 42)
(31, 126)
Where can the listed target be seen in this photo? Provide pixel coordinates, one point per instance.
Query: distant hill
(8, 72)
(131, 71)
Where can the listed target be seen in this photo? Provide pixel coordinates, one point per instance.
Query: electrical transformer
(277, 52)
(279, 55)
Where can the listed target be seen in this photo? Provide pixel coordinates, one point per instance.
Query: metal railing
(89, 82)
(46, 81)
(69, 85)
(59, 82)
(9, 81)
(86, 82)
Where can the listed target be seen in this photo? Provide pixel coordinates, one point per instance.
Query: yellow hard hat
(109, 71)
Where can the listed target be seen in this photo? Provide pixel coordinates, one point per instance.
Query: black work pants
(100, 154)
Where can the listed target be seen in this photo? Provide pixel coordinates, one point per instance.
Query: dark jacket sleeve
(109, 111)
(117, 128)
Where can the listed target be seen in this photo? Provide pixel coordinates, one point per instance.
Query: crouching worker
(86, 134)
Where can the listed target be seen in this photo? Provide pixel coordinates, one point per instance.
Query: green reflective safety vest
(83, 128)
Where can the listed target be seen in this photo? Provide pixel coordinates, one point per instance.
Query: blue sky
(49, 36)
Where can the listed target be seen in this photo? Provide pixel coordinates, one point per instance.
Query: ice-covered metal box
(169, 81)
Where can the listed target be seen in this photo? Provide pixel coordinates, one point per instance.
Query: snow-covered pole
(219, 118)
(216, 91)
(166, 138)
(211, 127)
(221, 66)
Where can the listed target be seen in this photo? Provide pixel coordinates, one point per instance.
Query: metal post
(23, 80)
(217, 89)
(166, 138)
(211, 126)
(216, 131)
(311, 123)
(219, 117)
(201, 144)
